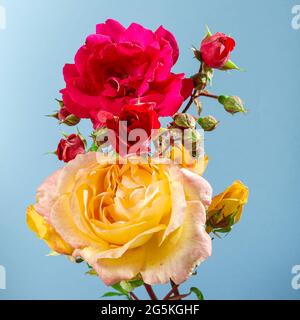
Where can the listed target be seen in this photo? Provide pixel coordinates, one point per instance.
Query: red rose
(126, 138)
(70, 147)
(215, 50)
(119, 66)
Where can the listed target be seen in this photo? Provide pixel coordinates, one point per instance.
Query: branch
(150, 291)
(133, 296)
(173, 290)
(209, 95)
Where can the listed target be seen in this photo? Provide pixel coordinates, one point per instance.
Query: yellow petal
(46, 232)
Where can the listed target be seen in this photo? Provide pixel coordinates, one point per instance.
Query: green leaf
(93, 147)
(91, 272)
(223, 230)
(130, 285)
(53, 254)
(208, 32)
(197, 292)
(119, 288)
(230, 65)
(112, 294)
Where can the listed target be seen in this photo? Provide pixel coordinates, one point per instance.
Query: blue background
(261, 148)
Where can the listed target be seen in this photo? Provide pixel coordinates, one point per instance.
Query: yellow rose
(129, 219)
(227, 207)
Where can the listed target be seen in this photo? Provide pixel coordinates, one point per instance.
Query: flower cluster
(133, 204)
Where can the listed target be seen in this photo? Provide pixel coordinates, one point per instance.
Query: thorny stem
(150, 291)
(179, 297)
(176, 291)
(188, 104)
(173, 290)
(133, 296)
(197, 93)
(193, 94)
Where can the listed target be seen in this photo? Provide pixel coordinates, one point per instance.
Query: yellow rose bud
(226, 208)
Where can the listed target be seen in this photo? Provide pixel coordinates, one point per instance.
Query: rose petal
(196, 187)
(46, 195)
(185, 248)
(111, 28)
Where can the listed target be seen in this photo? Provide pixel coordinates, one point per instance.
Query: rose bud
(70, 147)
(64, 116)
(215, 50)
(184, 121)
(226, 208)
(67, 118)
(208, 123)
(232, 104)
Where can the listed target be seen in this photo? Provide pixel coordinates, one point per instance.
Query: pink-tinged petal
(187, 247)
(161, 32)
(178, 202)
(121, 263)
(136, 33)
(46, 195)
(196, 187)
(111, 28)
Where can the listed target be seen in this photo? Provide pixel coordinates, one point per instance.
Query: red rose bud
(232, 104)
(208, 123)
(70, 147)
(64, 116)
(69, 119)
(215, 50)
(139, 116)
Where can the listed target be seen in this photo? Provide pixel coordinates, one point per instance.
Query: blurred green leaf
(93, 147)
(112, 294)
(91, 272)
(130, 285)
(197, 292)
(230, 65)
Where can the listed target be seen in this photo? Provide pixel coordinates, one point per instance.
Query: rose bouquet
(133, 204)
